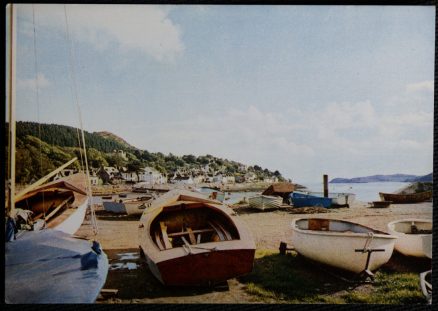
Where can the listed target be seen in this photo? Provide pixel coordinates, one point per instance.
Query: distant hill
(425, 178)
(111, 136)
(384, 178)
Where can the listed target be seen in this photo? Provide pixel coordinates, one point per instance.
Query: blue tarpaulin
(114, 207)
(45, 267)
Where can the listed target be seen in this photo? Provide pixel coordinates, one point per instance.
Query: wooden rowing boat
(189, 239)
(342, 244)
(60, 204)
(411, 233)
(406, 198)
(303, 199)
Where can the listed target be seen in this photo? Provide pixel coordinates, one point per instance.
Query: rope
(75, 93)
(38, 101)
(368, 241)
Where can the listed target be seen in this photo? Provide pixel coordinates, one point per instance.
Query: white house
(151, 176)
(130, 176)
(228, 180)
(198, 179)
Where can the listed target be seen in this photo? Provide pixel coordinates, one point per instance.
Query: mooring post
(325, 178)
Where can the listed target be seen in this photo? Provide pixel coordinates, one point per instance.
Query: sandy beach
(118, 237)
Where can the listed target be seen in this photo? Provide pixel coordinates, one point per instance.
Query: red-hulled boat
(189, 239)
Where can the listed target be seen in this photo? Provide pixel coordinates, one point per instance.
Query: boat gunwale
(376, 233)
(391, 226)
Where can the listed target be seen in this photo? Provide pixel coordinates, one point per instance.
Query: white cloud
(146, 28)
(31, 84)
(423, 86)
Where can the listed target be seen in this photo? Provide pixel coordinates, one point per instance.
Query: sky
(307, 90)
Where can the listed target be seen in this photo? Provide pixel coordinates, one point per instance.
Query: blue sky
(307, 90)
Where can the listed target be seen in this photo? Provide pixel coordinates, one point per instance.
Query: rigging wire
(75, 93)
(37, 93)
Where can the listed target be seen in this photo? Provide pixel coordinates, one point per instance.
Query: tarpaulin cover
(45, 267)
(114, 207)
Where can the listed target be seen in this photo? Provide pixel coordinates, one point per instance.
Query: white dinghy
(342, 244)
(414, 236)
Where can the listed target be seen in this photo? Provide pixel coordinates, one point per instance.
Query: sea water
(365, 192)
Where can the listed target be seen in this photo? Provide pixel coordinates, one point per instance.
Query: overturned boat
(414, 236)
(189, 239)
(342, 244)
(304, 199)
(406, 198)
(263, 202)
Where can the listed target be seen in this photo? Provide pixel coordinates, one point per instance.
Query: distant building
(179, 179)
(151, 176)
(110, 175)
(64, 173)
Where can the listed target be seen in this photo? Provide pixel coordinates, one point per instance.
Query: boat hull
(337, 198)
(304, 199)
(338, 249)
(191, 240)
(205, 268)
(412, 244)
(75, 220)
(263, 202)
(406, 198)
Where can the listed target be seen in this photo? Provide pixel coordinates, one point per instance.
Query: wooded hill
(41, 148)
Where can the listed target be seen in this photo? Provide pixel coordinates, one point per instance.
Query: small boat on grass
(342, 244)
(189, 239)
(263, 202)
(303, 199)
(426, 285)
(414, 236)
(129, 206)
(406, 198)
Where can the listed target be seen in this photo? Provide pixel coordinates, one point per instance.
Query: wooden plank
(43, 180)
(158, 240)
(218, 232)
(166, 241)
(191, 236)
(227, 234)
(57, 209)
(186, 232)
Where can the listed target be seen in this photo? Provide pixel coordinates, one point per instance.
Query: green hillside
(43, 147)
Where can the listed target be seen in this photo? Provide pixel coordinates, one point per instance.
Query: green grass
(291, 279)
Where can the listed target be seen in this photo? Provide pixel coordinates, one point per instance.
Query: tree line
(41, 148)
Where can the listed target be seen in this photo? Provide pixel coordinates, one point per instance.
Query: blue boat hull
(302, 200)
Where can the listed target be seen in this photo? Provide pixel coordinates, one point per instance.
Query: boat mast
(11, 106)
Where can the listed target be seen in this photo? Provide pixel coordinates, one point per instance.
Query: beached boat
(342, 244)
(411, 233)
(189, 239)
(338, 198)
(406, 198)
(59, 205)
(303, 199)
(380, 204)
(129, 206)
(263, 202)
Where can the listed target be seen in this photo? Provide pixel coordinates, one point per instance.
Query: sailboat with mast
(44, 262)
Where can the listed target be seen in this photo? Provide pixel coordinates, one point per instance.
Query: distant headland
(385, 178)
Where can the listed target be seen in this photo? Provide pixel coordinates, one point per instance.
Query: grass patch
(291, 279)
